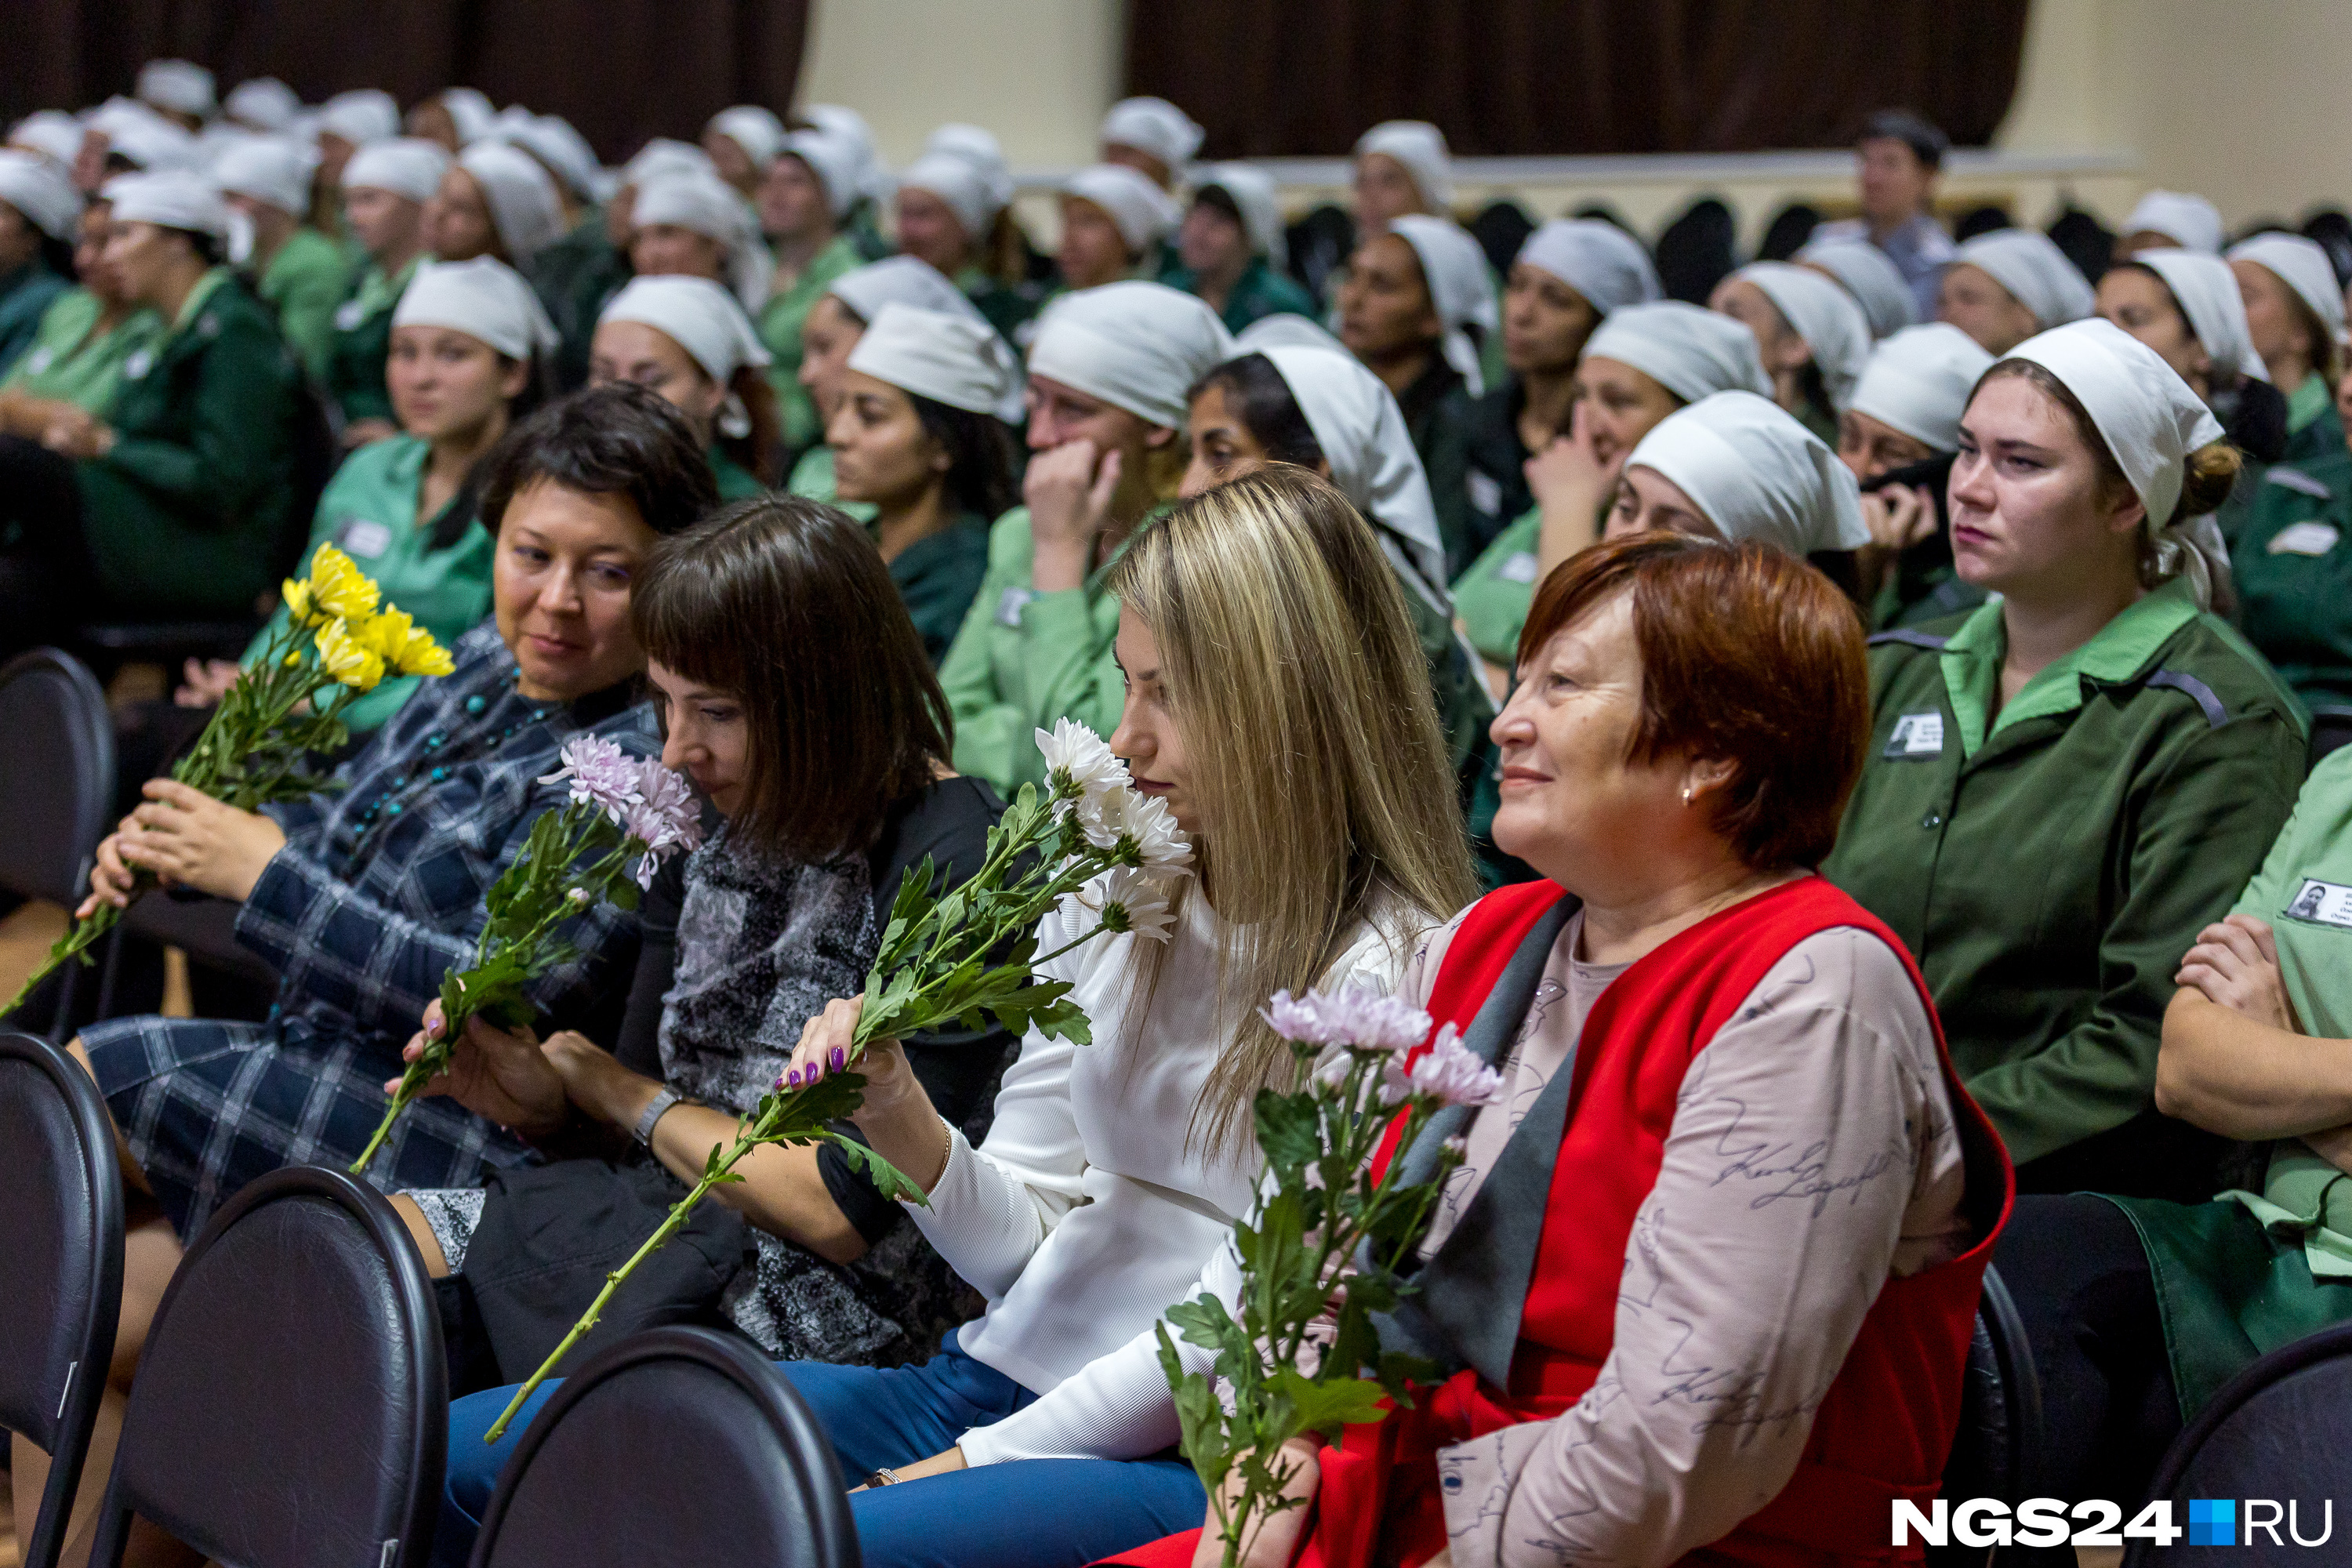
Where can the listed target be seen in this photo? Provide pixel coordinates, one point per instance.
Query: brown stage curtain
(621, 70)
(1305, 78)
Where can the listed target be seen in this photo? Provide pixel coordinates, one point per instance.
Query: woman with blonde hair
(1259, 620)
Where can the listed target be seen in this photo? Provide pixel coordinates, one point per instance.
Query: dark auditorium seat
(1786, 235)
(1319, 245)
(1694, 252)
(52, 710)
(1996, 1450)
(1500, 228)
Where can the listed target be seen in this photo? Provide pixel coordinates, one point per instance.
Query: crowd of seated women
(1845, 749)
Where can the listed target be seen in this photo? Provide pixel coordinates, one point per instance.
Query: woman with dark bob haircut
(794, 692)
(1710, 1278)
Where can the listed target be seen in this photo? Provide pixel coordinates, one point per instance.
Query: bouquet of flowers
(1089, 843)
(625, 817)
(1319, 1250)
(339, 640)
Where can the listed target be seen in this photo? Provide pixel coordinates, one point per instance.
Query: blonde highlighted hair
(1292, 672)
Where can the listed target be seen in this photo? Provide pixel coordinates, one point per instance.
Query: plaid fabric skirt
(208, 1107)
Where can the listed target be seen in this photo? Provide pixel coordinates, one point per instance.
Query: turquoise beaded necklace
(388, 806)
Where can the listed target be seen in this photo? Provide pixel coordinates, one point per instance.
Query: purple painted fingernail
(796, 1075)
(840, 1058)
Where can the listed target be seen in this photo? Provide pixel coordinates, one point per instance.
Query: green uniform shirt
(438, 570)
(304, 283)
(866, 231)
(362, 343)
(2293, 569)
(1259, 292)
(72, 361)
(586, 272)
(780, 329)
(1006, 309)
(25, 296)
(938, 576)
(2049, 867)
(1492, 597)
(736, 482)
(183, 513)
(2314, 428)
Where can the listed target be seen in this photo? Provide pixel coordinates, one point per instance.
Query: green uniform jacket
(72, 361)
(304, 283)
(1006, 309)
(183, 513)
(736, 482)
(2314, 428)
(2292, 568)
(438, 570)
(1492, 597)
(780, 329)
(1259, 292)
(2048, 875)
(25, 296)
(1437, 414)
(362, 341)
(939, 577)
(576, 277)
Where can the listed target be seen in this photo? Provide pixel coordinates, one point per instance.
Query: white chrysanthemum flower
(1139, 829)
(1132, 901)
(1078, 765)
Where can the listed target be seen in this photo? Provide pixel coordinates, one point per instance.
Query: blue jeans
(1030, 1513)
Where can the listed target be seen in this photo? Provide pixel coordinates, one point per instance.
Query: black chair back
(2330, 728)
(1694, 254)
(60, 1269)
(1319, 245)
(1982, 220)
(2270, 1433)
(1997, 1451)
(1500, 228)
(2089, 244)
(1786, 235)
(292, 1405)
(55, 811)
(675, 1445)
(2333, 232)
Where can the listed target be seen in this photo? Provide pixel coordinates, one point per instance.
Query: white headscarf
(664, 155)
(873, 174)
(406, 166)
(483, 298)
(51, 132)
(978, 146)
(2206, 291)
(946, 358)
(755, 129)
(1836, 333)
(1918, 382)
(1143, 212)
(1252, 191)
(1362, 432)
(137, 132)
(173, 198)
(1138, 346)
(2150, 418)
(710, 207)
(41, 191)
(361, 116)
(555, 143)
(470, 112)
(1757, 474)
(2302, 266)
(1153, 125)
(902, 281)
(2027, 263)
(1421, 147)
(1283, 330)
(1460, 287)
(697, 315)
(1867, 274)
(181, 86)
(1691, 353)
(833, 161)
(272, 169)
(1599, 260)
(2189, 221)
(520, 194)
(263, 102)
(967, 192)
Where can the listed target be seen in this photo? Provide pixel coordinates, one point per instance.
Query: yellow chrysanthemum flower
(340, 588)
(347, 660)
(420, 655)
(296, 592)
(386, 632)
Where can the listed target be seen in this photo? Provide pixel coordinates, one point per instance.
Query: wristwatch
(643, 1130)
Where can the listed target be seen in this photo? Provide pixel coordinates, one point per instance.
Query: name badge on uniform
(2325, 903)
(40, 359)
(136, 367)
(2305, 539)
(2295, 479)
(1917, 735)
(1485, 492)
(208, 325)
(349, 315)
(1520, 568)
(364, 537)
(1009, 607)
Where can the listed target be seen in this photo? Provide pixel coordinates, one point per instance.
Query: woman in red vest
(1704, 1283)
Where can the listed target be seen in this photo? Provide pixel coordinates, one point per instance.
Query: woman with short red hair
(1705, 1283)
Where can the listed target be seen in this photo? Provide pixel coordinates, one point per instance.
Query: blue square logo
(2212, 1522)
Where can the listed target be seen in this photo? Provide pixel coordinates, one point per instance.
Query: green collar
(2118, 651)
(2308, 403)
(198, 297)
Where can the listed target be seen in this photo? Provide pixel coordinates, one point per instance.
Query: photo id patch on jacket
(1916, 735)
(2323, 903)
(364, 537)
(2304, 539)
(1518, 568)
(1009, 607)
(349, 315)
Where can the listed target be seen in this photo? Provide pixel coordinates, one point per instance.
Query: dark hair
(210, 249)
(784, 603)
(980, 455)
(1926, 140)
(760, 449)
(1749, 656)
(1218, 199)
(1266, 407)
(615, 439)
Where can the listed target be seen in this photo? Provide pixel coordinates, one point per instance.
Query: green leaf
(886, 1178)
(1327, 1407)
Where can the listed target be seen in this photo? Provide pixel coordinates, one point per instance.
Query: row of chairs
(292, 1405)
